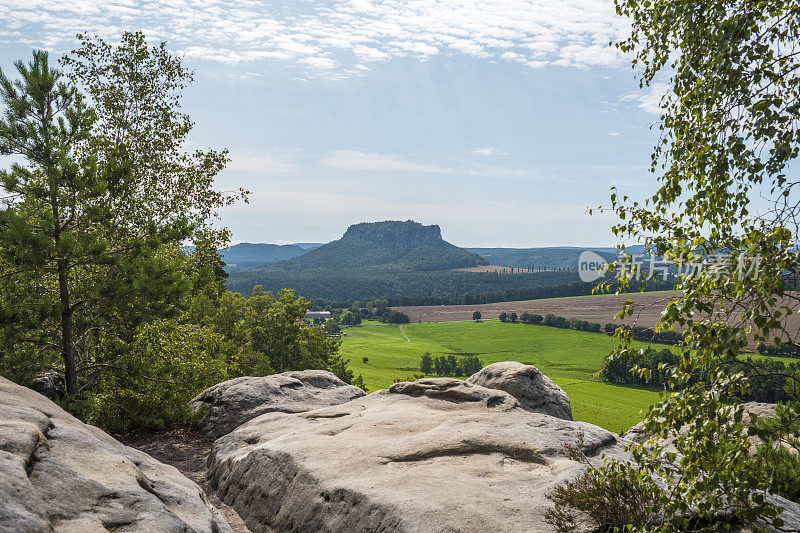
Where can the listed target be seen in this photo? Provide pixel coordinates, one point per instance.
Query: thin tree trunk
(67, 348)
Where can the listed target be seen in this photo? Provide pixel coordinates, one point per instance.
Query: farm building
(311, 315)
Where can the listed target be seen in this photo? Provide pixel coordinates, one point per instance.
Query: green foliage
(412, 288)
(150, 385)
(643, 367)
(780, 349)
(555, 321)
(426, 363)
(350, 318)
(98, 208)
(393, 317)
(450, 365)
(476, 316)
(783, 467)
(528, 318)
(413, 377)
(729, 133)
(614, 495)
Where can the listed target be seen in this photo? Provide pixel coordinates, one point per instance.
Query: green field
(567, 357)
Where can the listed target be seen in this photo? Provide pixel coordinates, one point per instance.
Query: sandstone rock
(535, 391)
(49, 384)
(434, 455)
(58, 474)
(232, 403)
(763, 410)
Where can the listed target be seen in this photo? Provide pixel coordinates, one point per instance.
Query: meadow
(568, 357)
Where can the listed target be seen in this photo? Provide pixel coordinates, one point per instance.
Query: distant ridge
(556, 258)
(249, 254)
(385, 246)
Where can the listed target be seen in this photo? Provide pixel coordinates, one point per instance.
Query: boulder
(434, 455)
(59, 474)
(534, 391)
(49, 384)
(762, 410)
(229, 404)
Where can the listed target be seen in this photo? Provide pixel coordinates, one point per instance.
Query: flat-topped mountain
(388, 245)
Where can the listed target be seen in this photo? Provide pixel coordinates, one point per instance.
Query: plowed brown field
(602, 308)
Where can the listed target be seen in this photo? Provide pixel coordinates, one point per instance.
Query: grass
(568, 357)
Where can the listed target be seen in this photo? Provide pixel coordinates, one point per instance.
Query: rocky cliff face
(394, 233)
(58, 474)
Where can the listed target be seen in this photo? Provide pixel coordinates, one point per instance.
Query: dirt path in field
(187, 451)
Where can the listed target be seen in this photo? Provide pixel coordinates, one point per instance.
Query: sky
(501, 121)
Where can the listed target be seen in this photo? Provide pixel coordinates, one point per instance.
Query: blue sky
(500, 121)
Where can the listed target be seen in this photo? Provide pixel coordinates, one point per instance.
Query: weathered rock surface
(231, 403)
(535, 391)
(58, 474)
(762, 410)
(49, 384)
(432, 455)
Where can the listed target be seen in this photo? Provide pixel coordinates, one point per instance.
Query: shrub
(426, 363)
(168, 364)
(556, 321)
(350, 319)
(395, 317)
(450, 365)
(613, 496)
(783, 349)
(503, 317)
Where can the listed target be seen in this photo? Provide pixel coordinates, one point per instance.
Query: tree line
(425, 288)
(449, 365)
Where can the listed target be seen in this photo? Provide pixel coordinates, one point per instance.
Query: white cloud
(319, 62)
(486, 150)
(650, 101)
(355, 160)
(613, 133)
(335, 35)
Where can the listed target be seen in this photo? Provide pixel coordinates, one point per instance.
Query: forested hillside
(539, 258)
(413, 288)
(249, 254)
